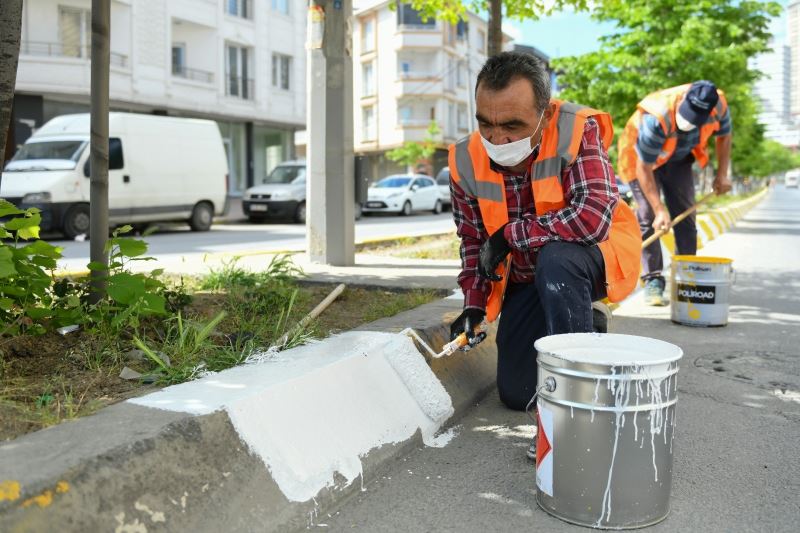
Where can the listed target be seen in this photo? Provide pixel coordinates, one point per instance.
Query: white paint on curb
(317, 409)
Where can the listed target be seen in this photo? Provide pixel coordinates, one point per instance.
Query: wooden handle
(655, 236)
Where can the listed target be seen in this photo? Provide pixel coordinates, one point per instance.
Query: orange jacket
(470, 168)
(663, 105)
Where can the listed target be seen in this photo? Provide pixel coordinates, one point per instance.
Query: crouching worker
(543, 232)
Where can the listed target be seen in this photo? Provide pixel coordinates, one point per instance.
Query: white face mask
(683, 124)
(514, 153)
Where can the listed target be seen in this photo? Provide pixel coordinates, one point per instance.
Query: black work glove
(493, 251)
(468, 321)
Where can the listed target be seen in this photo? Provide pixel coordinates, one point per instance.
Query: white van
(160, 169)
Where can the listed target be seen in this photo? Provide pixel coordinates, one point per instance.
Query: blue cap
(700, 100)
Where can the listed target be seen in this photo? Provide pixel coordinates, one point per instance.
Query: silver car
(282, 194)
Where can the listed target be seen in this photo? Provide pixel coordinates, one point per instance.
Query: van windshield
(286, 174)
(60, 150)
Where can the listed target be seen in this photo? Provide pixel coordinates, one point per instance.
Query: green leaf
(37, 313)
(126, 288)
(7, 209)
(131, 247)
(6, 262)
(97, 266)
(154, 303)
(43, 248)
(19, 223)
(6, 303)
(44, 262)
(157, 272)
(12, 290)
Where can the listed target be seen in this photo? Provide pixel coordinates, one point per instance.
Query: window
(281, 68)
(481, 41)
(461, 74)
(281, 6)
(239, 83)
(410, 17)
(178, 59)
(367, 35)
(404, 113)
(368, 123)
(239, 8)
(451, 119)
(463, 122)
(75, 29)
(368, 79)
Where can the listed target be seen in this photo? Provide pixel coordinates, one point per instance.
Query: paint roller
(455, 344)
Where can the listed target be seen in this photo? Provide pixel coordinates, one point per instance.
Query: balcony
(48, 49)
(238, 87)
(193, 74)
(413, 36)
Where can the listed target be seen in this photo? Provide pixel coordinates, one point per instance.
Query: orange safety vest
(470, 168)
(663, 105)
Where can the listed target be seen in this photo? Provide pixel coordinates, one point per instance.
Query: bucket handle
(549, 385)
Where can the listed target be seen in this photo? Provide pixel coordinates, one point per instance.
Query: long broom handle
(655, 236)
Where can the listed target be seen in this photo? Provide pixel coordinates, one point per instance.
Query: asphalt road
(736, 462)
(178, 240)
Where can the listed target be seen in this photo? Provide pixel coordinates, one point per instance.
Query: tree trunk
(98, 145)
(495, 27)
(10, 27)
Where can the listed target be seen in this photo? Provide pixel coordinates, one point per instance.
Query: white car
(403, 193)
(791, 179)
(443, 183)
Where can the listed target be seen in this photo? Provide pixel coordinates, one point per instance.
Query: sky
(548, 34)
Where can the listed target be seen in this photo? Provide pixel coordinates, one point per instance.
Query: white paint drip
(155, 516)
(443, 439)
(354, 392)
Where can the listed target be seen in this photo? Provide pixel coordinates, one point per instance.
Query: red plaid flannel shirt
(591, 196)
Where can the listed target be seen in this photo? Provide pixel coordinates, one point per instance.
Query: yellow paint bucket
(701, 288)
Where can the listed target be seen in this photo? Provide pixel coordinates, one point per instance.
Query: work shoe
(531, 453)
(601, 317)
(654, 292)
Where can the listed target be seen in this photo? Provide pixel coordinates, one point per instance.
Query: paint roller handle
(462, 342)
(655, 236)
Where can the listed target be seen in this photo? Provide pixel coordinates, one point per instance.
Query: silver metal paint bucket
(606, 412)
(701, 288)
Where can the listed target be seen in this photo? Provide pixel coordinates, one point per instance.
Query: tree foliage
(663, 43)
(412, 152)
(454, 10)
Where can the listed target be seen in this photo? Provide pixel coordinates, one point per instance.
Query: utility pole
(98, 155)
(331, 182)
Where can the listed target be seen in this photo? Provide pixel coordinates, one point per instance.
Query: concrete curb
(713, 223)
(147, 469)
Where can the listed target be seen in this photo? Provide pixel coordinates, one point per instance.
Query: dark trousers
(676, 181)
(569, 277)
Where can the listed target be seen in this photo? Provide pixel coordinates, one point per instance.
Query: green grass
(724, 200)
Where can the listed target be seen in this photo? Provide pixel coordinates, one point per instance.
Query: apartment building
(409, 72)
(774, 91)
(239, 62)
(793, 33)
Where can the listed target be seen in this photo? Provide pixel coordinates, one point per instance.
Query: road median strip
(267, 446)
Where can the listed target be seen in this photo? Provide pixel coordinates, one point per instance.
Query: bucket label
(544, 450)
(696, 294)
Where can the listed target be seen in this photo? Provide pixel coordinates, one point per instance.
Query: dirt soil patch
(428, 247)
(50, 378)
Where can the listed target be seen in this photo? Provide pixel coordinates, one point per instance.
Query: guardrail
(192, 74)
(49, 49)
